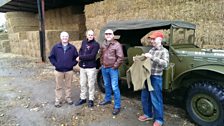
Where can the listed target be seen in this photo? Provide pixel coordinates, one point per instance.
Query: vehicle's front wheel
(205, 104)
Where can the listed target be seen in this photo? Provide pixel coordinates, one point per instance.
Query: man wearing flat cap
(111, 57)
(152, 101)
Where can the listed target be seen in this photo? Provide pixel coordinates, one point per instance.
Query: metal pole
(41, 13)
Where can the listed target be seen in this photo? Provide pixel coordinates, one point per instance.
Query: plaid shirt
(160, 60)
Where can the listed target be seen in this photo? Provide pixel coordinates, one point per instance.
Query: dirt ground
(27, 99)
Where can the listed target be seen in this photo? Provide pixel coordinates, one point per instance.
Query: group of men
(64, 56)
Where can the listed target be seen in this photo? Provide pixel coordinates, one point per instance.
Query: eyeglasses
(108, 33)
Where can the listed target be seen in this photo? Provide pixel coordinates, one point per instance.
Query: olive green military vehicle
(197, 73)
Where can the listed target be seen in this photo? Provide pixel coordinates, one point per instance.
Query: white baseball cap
(109, 31)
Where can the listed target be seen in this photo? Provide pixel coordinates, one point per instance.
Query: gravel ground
(27, 99)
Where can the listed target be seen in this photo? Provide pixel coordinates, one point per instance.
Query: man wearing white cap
(152, 101)
(111, 57)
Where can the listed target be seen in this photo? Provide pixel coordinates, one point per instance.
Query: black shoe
(105, 102)
(80, 102)
(116, 111)
(90, 103)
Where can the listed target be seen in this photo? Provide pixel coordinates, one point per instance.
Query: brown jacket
(111, 54)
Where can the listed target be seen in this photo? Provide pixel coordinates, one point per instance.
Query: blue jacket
(63, 60)
(87, 54)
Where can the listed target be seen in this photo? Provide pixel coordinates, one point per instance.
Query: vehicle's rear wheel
(205, 104)
(100, 82)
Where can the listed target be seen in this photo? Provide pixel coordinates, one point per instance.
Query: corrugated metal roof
(31, 5)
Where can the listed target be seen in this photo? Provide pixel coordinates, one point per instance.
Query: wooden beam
(12, 8)
(26, 5)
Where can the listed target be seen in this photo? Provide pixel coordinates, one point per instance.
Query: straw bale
(24, 43)
(23, 46)
(142, 4)
(88, 9)
(78, 18)
(18, 14)
(33, 39)
(20, 21)
(76, 9)
(123, 5)
(52, 37)
(99, 8)
(66, 11)
(22, 28)
(206, 14)
(71, 19)
(110, 7)
(213, 46)
(3, 36)
(97, 22)
(77, 44)
(37, 53)
(16, 37)
(5, 43)
(4, 46)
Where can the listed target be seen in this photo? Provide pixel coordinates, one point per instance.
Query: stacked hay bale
(77, 44)
(15, 39)
(4, 43)
(18, 23)
(24, 35)
(21, 21)
(207, 15)
(67, 18)
(53, 36)
(70, 19)
(31, 44)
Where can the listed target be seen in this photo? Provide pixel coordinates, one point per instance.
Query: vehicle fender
(215, 68)
(179, 80)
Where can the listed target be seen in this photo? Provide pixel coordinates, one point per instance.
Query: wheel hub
(205, 107)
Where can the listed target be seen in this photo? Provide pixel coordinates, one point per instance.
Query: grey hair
(64, 33)
(90, 30)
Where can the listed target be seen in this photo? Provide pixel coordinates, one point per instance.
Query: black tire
(100, 82)
(205, 104)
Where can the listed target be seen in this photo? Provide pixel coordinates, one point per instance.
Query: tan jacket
(139, 72)
(111, 54)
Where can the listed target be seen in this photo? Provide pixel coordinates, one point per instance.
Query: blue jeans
(152, 101)
(110, 78)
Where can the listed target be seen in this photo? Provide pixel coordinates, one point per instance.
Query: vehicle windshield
(183, 36)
